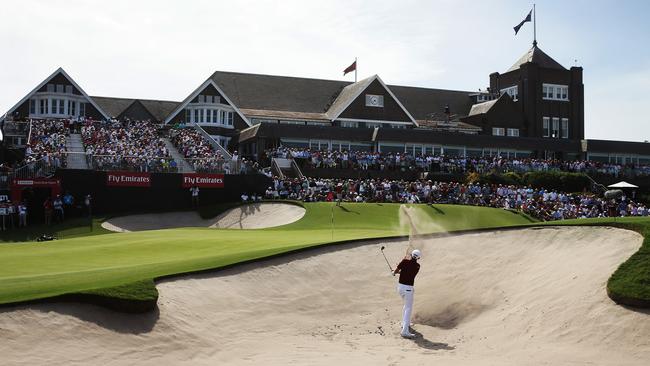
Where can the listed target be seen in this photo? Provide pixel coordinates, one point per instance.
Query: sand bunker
(534, 296)
(253, 216)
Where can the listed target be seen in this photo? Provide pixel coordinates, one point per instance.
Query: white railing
(44, 167)
(162, 164)
(276, 167)
(216, 145)
(296, 168)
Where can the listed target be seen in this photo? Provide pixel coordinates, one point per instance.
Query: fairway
(39, 270)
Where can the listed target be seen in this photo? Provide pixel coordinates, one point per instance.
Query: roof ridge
(134, 99)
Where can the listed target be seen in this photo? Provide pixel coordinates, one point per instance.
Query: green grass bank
(122, 266)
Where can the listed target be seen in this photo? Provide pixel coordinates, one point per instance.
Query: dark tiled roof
(160, 109)
(282, 93)
(539, 57)
(421, 102)
(115, 106)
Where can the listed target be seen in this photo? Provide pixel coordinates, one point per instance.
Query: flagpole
(356, 66)
(534, 26)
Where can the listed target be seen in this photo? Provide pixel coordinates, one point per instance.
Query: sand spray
(452, 302)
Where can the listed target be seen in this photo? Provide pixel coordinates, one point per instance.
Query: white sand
(253, 216)
(529, 297)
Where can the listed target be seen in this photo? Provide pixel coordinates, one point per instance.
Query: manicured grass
(70, 228)
(103, 263)
(630, 283)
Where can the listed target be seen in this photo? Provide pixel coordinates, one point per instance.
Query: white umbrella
(622, 184)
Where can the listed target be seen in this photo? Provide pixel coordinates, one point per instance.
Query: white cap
(416, 254)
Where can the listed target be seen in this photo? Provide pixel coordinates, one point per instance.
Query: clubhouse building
(534, 109)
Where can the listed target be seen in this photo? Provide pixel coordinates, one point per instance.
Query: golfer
(408, 268)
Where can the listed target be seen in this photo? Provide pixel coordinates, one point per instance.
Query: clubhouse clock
(374, 100)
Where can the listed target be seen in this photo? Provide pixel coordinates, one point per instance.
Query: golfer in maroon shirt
(408, 268)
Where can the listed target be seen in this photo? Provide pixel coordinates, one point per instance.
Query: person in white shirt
(195, 196)
(22, 214)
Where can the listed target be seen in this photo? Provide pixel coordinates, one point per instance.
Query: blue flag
(518, 26)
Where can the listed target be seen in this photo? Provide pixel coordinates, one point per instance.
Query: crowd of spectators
(539, 203)
(126, 145)
(47, 142)
(363, 160)
(198, 152)
(203, 158)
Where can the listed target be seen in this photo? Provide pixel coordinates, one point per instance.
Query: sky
(160, 49)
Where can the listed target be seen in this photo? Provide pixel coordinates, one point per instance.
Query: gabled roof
(159, 109)
(113, 106)
(536, 56)
(347, 96)
(352, 92)
(196, 92)
(278, 93)
(65, 74)
(317, 96)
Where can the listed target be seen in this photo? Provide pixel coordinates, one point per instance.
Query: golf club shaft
(387, 262)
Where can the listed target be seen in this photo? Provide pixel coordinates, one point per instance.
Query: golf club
(389, 267)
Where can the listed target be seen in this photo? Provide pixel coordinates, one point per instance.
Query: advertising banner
(128, 179)
(202, 180)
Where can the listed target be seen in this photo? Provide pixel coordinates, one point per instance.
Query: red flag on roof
(350, 68)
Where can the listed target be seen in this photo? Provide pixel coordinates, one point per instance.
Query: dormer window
(207, 99)
(374, 100)
(512, 91)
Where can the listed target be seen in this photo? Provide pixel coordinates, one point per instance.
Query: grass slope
(108, 264)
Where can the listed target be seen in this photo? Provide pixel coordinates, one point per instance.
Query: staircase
(286, 168)
(76, 152)
(183, 165)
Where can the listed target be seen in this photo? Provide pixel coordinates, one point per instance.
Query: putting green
(39, 270)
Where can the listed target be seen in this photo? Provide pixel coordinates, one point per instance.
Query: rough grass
(107, 265)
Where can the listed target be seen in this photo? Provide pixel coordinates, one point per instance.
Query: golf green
(30, 270)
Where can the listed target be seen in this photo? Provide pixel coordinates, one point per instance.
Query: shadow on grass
(70, 228)
(523, 215)
(348, 210)
(438, 211)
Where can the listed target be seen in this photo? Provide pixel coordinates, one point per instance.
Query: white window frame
(498, 131)
(555, 131)
(513, 132)
(564, 128)
(349, 124)
(546, 126)
(555, 92)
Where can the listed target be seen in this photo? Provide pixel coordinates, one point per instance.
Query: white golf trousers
(406, 292)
